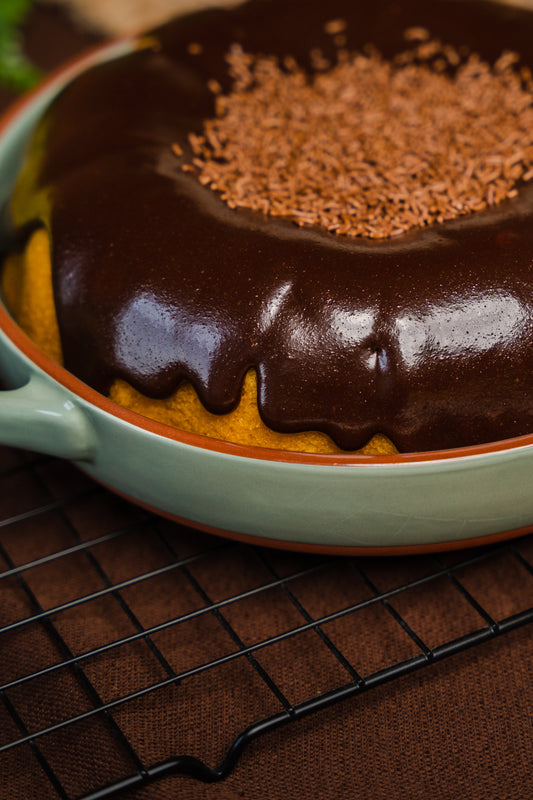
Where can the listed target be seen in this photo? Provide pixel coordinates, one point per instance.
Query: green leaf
(16, 71)
(13, 12)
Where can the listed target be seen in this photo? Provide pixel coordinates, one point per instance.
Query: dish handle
(40, 416)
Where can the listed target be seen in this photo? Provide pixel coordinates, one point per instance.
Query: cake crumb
(335, 26)
(195, 49)
(416, 33)
(214, 86)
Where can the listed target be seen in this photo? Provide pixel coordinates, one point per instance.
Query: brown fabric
(123, 17)
(459, 728)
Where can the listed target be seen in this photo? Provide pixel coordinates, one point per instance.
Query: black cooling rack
(114, 624)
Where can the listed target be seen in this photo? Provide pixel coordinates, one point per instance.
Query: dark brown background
(461, 728)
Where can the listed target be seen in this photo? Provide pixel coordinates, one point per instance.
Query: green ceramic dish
(341, 504)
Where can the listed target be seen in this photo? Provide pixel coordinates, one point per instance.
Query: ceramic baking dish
(341, 504)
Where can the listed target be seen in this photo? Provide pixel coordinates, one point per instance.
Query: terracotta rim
(85, 392)
(368, 551)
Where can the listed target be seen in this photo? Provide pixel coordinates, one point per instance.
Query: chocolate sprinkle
(370, 147)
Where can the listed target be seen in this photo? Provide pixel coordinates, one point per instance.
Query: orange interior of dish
(27, 288)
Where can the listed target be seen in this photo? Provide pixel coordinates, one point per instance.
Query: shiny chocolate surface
(427, 338)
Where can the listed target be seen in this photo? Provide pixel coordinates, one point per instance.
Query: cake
(275, 224)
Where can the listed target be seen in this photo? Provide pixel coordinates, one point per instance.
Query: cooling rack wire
(116, 627)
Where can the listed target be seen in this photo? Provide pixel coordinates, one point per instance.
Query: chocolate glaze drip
(427, 338)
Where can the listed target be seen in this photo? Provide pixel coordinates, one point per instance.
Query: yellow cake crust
(28, 292)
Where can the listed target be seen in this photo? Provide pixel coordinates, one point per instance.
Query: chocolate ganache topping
(426, 337)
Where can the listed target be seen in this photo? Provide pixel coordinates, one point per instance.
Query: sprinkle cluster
(368, 147)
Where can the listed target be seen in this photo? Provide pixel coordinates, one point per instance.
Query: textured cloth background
(458, 729)
(118, 17)
(126, 16)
